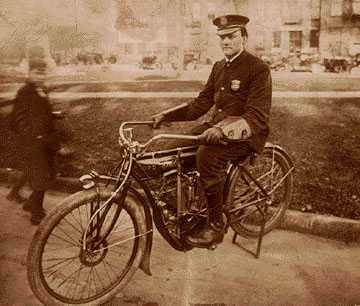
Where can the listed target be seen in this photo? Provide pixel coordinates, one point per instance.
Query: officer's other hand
(245, 130)
(157, 120)
(213, 136)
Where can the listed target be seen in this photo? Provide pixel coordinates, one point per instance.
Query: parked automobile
(150, 62)
(336, 64)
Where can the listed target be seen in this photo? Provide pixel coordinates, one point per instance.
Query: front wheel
(63, 270)
(273, 172)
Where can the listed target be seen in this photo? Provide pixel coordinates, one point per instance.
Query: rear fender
(278, 148)
(234, 171)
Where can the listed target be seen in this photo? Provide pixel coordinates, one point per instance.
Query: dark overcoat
(32, 122)
(243, 88)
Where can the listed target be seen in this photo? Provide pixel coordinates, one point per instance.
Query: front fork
(94, 228)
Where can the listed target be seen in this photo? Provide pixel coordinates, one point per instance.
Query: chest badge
(235, 85)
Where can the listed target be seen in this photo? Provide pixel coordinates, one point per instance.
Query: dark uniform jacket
(239, 88)
(32, 121)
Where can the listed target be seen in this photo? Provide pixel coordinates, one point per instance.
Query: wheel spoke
(59, 265)
(65, 240)
(60, 248)
(69, 276)
(71, 238)
(75, 228)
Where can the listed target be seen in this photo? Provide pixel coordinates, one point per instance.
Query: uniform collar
(234, 57)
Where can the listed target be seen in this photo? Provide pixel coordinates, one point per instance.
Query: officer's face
(232, 44)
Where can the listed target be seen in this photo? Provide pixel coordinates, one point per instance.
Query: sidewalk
(293, 269)
(189, 94)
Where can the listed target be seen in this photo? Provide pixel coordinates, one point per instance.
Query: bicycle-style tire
(269, 169)
(60, 273)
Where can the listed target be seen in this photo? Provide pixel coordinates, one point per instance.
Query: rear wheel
(273, 172)
(61, 271)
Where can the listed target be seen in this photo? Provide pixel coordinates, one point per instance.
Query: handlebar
(141, 147)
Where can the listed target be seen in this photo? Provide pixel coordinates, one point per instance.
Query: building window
(356, 7)
(314, 39)
(290, 12)
(196, 12)
(315, 9)
(295, 40)
(336, 8)
(276, 39)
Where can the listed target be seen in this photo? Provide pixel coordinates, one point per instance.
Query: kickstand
(261, 234)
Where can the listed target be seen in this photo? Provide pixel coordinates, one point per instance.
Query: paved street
(294, 269)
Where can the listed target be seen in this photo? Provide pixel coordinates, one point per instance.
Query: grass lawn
(321, 135)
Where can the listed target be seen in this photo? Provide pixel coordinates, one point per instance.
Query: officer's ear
(245, 40)
(244, 35)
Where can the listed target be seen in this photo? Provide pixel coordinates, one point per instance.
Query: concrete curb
(342, 229)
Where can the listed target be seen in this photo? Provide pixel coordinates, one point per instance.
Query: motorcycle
(89, 247)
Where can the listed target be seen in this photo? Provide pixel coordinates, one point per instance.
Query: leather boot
(213, 232)
(35, 206)
(14, 194)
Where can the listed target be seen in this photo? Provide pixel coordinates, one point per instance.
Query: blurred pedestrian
(36, 142)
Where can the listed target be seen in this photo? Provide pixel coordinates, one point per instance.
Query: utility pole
(180, 36)
(204, 35)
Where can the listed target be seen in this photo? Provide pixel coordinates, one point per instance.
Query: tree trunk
(180, 36)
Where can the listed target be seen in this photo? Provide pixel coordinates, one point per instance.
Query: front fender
(145, 262)
(90, 181)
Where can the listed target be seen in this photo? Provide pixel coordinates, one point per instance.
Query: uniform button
(219, 110)
(222, 88)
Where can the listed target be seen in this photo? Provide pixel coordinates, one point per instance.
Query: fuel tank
(156, 163)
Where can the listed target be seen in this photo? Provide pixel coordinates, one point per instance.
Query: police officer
(240, 86)
(33, 123)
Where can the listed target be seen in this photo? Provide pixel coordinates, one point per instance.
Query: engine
(193, 203)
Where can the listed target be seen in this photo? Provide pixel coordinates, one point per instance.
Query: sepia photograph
(180, 152)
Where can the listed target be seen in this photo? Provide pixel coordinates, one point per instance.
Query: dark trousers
(18, 183)
(211, 162)
(36, 200)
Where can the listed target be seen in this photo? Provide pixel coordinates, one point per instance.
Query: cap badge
(235, 85)
(223, 21)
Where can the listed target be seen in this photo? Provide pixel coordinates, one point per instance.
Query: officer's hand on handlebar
(213, 136)
(157, 120)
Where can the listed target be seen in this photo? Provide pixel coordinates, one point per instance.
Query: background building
(326, 27)
(176, 29)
